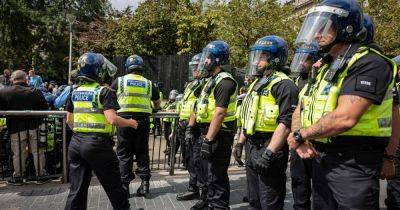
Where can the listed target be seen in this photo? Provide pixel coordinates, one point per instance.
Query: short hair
(18, 75)
(5, 70)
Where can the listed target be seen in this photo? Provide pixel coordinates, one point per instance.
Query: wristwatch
(297, 137)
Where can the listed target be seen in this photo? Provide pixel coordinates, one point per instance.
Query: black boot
(190, 194)
(144, 188)
(125, 186)
(202, 203)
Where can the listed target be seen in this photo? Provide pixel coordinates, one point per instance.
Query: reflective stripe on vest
(88, 111)
(134, 93)
(206, 102)
(170, 107)
(260, 111)
(189, 99)
(375, 122)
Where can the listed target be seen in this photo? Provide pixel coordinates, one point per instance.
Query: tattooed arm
(296, 120)
(346, 115)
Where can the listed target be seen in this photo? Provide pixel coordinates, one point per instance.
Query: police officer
(192, 133)
(346, 117)
(266, 116)
(170, 106)
(91, 114)
(135, 94)
(393, 185)
(301, 169)
(215, 116)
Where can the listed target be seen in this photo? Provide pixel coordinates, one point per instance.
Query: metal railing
(51, 143)
(165, 153)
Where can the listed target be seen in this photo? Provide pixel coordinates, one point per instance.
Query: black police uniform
(268, 191)
(301, 169)
(193, 161)
(135, 142)
(346, 171)
(91, 151)
(217, 167)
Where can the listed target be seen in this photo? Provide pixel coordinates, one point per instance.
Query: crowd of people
(336, 123)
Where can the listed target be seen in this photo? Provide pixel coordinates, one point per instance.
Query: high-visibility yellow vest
(3, 122)
(189, 99)
(134, 94)
(88, 110)
(323, 98)
(206, 102)
(259, 109)
(170, 107)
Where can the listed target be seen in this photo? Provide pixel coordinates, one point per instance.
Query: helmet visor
(318, 26)
(258, 61)
(303, 61)
(205, 64)
(109, 67)
(193, 70)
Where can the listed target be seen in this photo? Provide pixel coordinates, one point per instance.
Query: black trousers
(393, 187)
(167, 132)
(200, 165)
(193, 153)
(217, 171)
(87, 153)
(266, 191)
(301, 173)
(134, 142)
(347, 177)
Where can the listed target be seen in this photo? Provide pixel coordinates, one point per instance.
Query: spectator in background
(22, 130)
(34, 80)
(5, 78)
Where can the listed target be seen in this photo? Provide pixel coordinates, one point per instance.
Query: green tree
(385, 14)
(34, 34)
(243, 22)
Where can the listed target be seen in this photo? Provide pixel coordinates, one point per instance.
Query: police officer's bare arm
(216, 122)
(296, 120)
(116, 120)
(388, 169)
(349, 110)
(278, 139)
(111, 117)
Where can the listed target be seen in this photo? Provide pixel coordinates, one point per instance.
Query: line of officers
(337, 125)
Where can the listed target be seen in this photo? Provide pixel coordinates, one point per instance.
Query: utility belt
(94, 136)
(260, 142)
(352, 144)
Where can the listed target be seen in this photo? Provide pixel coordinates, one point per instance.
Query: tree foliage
(34, 33)
(385, 14)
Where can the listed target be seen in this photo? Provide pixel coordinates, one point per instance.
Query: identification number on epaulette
(135, 83)
(82, 96)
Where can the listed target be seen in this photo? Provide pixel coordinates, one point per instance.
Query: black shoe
(125, 186)
(16, 181)
(191, 194)
(245, 199)
(200, 205)
(144, 189)
(43, 179)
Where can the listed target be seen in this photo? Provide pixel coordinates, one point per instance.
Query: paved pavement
(163, 192)
(52, 196)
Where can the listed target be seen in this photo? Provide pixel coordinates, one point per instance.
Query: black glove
(263, 163)
(207, 148)
(237, 153)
